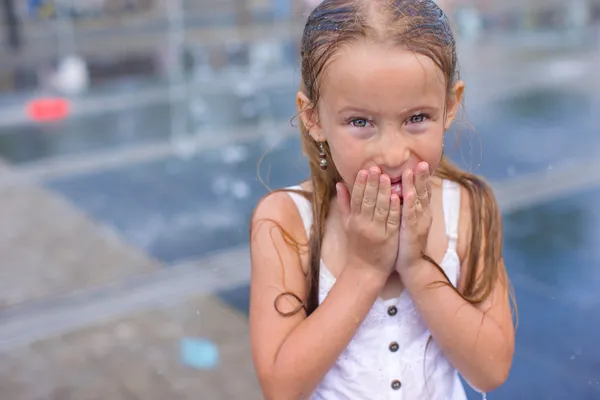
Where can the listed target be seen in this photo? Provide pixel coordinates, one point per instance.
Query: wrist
(419, 275)
(366, 275)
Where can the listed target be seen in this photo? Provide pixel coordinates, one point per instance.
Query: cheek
(429, 149)
(347, 156)
(434, 156)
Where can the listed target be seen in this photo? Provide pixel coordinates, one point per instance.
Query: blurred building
(527, 14)
(137, 36)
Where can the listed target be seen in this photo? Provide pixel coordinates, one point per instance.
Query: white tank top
(386, 358)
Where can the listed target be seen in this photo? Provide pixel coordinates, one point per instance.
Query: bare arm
(478, 341)
(292, 354)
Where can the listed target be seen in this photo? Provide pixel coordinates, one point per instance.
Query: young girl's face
(382, 106)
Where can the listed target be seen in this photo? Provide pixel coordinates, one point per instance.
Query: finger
(429, 191)
(382, 208)
(409, 194)
(418, 206)
(343, 198)
(370, 198)
(408, 182)
(421, 179)
(358, 192)
(393, 220)
(409, 214)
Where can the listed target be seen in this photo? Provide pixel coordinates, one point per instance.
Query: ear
(309, 116)
(454, 102)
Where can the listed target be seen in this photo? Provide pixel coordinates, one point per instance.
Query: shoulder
(280, 206)
(276, 214)
(277, 207)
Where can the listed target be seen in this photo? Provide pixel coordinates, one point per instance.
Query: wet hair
(419, 26)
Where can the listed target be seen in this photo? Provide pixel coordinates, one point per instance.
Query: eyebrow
(359, 110)
(423, 108)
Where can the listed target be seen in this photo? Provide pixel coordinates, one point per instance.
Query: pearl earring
(322, 157)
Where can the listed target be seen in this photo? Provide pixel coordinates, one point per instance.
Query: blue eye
(359, 122)
(418, 118)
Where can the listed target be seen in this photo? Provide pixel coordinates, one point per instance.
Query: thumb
(343, 198)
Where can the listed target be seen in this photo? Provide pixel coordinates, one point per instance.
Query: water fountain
(184, 147)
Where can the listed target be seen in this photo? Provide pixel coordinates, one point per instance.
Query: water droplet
(234, 154)
(220, 185)
(184, 147)
(240, 189)
(198, 108)
(244, 88)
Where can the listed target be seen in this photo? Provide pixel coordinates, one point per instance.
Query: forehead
(382, 76)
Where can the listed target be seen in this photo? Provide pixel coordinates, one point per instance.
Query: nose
(393, 152)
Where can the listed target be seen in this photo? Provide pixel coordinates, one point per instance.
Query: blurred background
(130, 138)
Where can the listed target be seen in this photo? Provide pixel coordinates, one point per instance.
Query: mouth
(397, 187)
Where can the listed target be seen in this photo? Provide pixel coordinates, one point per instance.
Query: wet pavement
(144, 263)
(149, 355)
(179, 209)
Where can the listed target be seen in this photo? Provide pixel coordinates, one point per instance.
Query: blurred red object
(48, 109)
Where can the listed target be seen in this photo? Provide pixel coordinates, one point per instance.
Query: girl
(382, 277)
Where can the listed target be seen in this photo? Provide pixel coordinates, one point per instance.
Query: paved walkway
(136, 357)
(84, 315)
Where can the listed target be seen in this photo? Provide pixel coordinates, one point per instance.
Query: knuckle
(368, 201)
(381, 210)
(394, 222)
